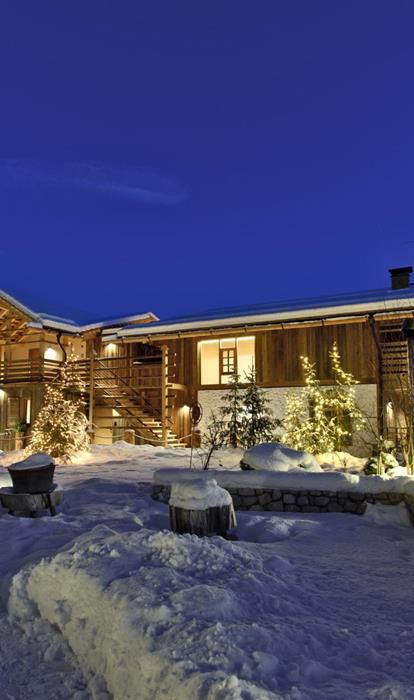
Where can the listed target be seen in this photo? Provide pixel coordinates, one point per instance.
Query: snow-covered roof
(356, 303)
(78, 323)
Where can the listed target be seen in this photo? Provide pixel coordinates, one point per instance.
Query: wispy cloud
(130, 183)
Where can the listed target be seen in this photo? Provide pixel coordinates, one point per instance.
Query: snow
(198, 494)
(341, 460)
(102, 601)
(35, 461)
(295, 480)
(272, 456)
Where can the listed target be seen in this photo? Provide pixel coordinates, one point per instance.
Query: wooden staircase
(113, 392)
(394, 356)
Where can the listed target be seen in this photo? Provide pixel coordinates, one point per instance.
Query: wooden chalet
(142, 374)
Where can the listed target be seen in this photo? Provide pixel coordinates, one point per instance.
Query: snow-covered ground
(102, 601)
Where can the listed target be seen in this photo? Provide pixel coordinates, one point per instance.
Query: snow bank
(300, 480)
(384, 515)
(155, 615)
(272, 456)
(199, 494)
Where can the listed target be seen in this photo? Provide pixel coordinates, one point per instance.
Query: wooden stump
(211, 521)
(30, 503)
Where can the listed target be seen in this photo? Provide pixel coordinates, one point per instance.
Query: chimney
(400, 277)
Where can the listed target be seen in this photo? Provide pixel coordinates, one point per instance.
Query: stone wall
(292, 501)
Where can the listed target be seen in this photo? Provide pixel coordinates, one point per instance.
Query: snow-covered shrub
(272, 456)
(381, 464)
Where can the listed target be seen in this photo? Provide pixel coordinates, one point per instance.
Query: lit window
(220, 359)
(51, 354)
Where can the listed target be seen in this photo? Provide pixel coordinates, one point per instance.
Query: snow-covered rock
(272, 456)
(198, 494)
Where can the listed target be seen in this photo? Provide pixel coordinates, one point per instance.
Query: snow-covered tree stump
(201, 507)
(30, 503)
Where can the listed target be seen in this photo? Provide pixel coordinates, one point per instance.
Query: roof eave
(281, 317)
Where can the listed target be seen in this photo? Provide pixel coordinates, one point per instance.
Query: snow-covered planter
(272, 456)
(33, 475)
(201, 507)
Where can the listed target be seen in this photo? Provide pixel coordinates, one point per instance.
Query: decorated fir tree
(306, 421)
(258, 425)
(231, 412)
(346, 416)
(322, 420)
(60, 427)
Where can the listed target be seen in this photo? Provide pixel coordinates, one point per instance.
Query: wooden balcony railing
(20, 371)
(139, 375)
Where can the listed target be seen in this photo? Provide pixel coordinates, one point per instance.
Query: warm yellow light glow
(2, 394)
(28, 411)
(245, 356)
(51, 354)
(115, 413)
(209, 361)
(110, 349)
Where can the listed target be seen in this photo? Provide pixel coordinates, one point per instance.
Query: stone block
(246, 492)
(236, 500)
(302, 500)
(289, 498)
(321, 500)
(357, 497)
(292, 509)
(256, 507)
(350, 507)
(264, 499)
(361, 508)
(335, 507)
(276, 495)
(310, 509)
(248, 500)
(315, 493)
(276, 506)
(395, 498)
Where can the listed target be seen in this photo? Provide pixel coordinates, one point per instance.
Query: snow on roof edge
(280, 316)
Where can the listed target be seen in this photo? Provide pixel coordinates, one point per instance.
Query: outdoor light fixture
(50, 354)
(110, 349)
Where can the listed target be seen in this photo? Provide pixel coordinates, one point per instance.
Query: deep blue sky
(172, 155)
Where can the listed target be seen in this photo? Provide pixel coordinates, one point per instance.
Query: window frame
(221, 357)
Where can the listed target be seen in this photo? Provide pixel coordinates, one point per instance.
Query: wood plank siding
(278, 354)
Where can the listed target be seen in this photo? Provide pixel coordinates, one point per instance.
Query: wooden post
(91, 387)
(164, 394)
(381, 423)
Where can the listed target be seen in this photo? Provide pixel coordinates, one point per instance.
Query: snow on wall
(366, 395)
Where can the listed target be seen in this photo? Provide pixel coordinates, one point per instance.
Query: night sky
(174, 156)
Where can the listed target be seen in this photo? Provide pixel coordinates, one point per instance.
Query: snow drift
(272, 456)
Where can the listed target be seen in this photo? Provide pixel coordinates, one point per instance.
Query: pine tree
(231, 412)
(60, 427)
(258, 425)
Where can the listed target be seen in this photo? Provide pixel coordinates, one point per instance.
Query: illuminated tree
(346, 416)
(322, 420)
(60, 427)
(306, 422)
